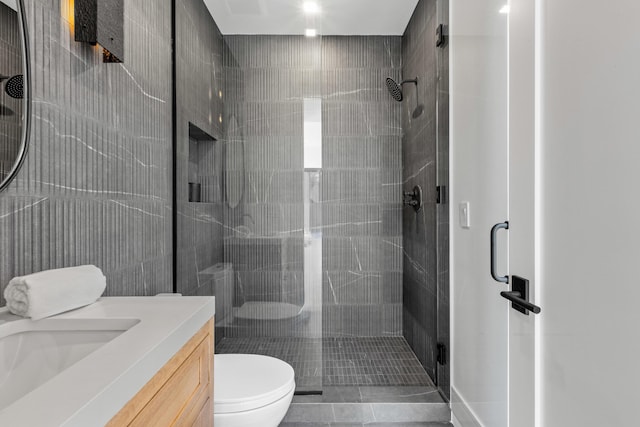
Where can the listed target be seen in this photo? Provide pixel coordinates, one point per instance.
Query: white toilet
(251, 390)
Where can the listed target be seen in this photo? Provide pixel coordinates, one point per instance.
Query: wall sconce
(101, 22)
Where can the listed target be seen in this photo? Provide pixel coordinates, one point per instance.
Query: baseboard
(461, 414)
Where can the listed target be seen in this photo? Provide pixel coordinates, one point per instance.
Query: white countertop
(93, 390)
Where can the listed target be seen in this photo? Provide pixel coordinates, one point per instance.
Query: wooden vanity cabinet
(181, 392)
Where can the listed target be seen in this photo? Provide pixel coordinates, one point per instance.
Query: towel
(51, 292)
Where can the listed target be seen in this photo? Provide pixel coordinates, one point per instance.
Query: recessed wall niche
(205, 164)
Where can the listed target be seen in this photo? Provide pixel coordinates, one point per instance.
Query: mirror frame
(22, 152)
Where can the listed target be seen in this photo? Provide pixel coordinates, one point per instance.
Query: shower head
(395, 89)
(15, 87)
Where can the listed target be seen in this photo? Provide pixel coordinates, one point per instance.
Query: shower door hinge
(441, 194)
(441, 38)
(442, 354)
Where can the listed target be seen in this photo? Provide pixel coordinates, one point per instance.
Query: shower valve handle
(413, 198)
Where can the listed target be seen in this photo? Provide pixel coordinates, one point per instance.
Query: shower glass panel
(272, 240)
(289, 183)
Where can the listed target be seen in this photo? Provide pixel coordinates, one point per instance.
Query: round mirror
(234, 164)
(14, 93)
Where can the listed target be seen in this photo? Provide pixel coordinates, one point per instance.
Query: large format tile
(411, 412)
(367, 413)
(374, 424)
(420, 167)
(95, 186)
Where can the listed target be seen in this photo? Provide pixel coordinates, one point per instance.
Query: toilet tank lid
(248, 381)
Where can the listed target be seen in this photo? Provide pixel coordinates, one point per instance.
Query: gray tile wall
(96, 184)
(200, 92)
(359, 213)
(419, 156)
(361, 187)
(11, 109)
(267, 79)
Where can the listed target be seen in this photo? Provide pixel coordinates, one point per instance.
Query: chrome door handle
(494, 252)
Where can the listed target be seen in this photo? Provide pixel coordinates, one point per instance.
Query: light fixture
(310, 7)
(505, 9)
(310, 32)
(101, 22)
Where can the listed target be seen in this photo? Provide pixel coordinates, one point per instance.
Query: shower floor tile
(377, 361)
(303, 354)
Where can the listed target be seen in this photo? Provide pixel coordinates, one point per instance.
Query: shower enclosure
(289, 200)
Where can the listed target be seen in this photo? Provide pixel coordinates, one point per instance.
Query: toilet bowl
(251, 390)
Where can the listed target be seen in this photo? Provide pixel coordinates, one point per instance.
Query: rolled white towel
(51, 292)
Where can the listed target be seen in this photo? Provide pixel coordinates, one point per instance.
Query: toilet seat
(243, 382)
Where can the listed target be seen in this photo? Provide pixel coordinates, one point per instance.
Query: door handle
(515, 298)
(519, 296)
(494, 252)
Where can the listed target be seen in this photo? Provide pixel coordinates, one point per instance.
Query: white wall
(590, 212)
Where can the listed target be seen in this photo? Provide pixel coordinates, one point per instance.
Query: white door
(493, 181)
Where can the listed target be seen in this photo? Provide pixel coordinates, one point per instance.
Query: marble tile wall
(10, 109)
(419, 157)
(361, 187)
(199, 107)
(267, 80)
(96, 184)
(358, 213)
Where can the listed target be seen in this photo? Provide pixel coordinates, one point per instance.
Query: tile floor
(427, 424)
(379, 361)
(371, 382)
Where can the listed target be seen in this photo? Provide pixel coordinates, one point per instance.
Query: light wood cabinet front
(181, 393)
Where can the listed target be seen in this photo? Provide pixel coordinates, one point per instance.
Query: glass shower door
(271, 237)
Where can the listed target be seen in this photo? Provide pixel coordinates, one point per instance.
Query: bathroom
(289, 191)
(306, 164)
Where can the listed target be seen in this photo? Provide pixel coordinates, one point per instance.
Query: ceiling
(12, 4)
(336, 17)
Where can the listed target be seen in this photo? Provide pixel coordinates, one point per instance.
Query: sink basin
(33, 352)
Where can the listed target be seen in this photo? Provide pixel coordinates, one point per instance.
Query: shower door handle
(519, 296)
(517, 300)
(494, 252)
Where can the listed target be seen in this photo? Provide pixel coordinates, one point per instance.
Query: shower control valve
(413, 198)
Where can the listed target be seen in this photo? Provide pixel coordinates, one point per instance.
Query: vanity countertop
(93, 390)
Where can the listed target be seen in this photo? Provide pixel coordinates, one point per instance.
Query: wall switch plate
(464, 214)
